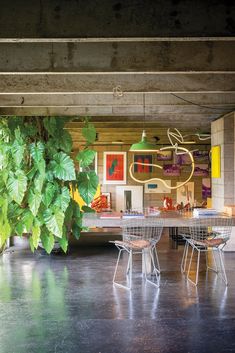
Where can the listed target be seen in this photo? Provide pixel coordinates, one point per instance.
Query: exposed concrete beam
(111, 115)
(218, 99)
(74, 18)
(126, 110)
(117, 56)
(105, 82)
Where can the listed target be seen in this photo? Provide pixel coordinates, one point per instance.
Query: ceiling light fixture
(143, 145)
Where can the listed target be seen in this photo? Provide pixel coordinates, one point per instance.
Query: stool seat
(134, 244)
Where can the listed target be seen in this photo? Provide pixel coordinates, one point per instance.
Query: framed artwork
(201, 156)
(182, 159)
(129, 197)
(143, 158)
(114, 168)
(157, 188)
(185, 193)
(215, 162)
(164, 156)
(206, 188)
(171, 170)
(201, 170)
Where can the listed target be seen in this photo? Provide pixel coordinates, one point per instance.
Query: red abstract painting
(115, 169)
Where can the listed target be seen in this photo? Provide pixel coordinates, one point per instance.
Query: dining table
(172, 220)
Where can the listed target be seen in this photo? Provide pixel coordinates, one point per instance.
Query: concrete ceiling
(164, 76)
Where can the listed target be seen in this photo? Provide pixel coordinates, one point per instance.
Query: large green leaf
(48, 194)
(41, 165)
(17, 151)
(63, 199)
(54, 220)
(36, 232)
(4, 204)
(85, 157)
(17, 185)
(87, 185)
(19, 228)
(4, 155)
(37, 151)
(31, 244)
(76, 230)
(77, 215)
(64, 241)
(14, 211)
(30, 174)
(65, 141)
(39, 181)
(48, 240)
(27, 220)
(89, 133)
(88, 209)
(69, 213)
(23, 224)
(34, 200)
(5, 230)
(63, 167)
(50, 125)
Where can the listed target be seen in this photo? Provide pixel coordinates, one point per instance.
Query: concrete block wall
(222, 131)
(223, 188)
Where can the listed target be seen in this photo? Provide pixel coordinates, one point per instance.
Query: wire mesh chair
(209, 234)
(184, 232)
(140, 236)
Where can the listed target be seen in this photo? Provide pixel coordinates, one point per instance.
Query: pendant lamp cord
(144, 110)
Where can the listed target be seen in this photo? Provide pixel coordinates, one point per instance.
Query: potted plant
(37, 179)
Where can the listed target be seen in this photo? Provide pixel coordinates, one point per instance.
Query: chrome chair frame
(184, 232)
(140, 236)
(203, 238)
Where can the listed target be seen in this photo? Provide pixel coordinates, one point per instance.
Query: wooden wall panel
(149, 199)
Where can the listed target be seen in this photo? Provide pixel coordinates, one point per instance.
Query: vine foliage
(38, 178)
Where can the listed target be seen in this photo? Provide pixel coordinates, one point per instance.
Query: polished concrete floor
(67, 304)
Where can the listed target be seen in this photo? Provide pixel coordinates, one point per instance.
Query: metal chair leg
(130, 270)
(223, 272)
(184, 257)
(214, 269)
(189, 267)
(190, 262)
(157, 259)
(197, 270)
(198, 263)
(155, 270)
(128, 266)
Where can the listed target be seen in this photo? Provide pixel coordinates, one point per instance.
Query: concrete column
(222, 131)
(223, 188)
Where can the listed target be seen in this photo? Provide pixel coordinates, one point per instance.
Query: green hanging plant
(36, 177)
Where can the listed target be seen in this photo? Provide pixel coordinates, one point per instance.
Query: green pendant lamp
(143, 145)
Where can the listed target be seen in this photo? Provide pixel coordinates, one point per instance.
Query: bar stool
(204, 238)
(140, 236)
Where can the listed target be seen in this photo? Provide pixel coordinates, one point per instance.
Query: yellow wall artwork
(215, 162)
